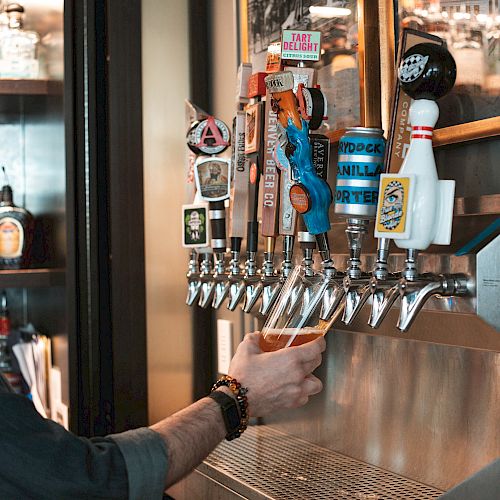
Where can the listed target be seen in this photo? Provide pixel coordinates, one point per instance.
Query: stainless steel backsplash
(427, 411)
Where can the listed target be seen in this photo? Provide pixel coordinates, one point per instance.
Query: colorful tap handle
(311, 195)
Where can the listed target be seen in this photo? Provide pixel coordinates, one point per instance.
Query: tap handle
(239, 188)
(218, 225)
(253, 198)
(427, 71)
(270, 185)
(252, 236)
(236, 244)
(310, 195)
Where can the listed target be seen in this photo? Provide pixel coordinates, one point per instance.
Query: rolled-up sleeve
(145, 454)
(41, 460)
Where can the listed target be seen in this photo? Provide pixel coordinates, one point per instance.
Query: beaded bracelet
(241, 398)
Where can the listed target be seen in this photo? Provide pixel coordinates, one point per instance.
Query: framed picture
(348, 71)
(471, 31)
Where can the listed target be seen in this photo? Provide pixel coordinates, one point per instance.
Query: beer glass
(294, 318)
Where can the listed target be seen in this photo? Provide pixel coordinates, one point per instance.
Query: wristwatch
(230, 413)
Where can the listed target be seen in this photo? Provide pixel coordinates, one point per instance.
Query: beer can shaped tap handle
(310, 195)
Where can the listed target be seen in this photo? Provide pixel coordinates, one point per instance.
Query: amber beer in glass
(294, 319)
(288, 337)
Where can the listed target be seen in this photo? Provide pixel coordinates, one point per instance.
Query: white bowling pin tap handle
(415, 207)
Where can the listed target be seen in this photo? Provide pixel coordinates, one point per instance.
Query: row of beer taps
(413, 207)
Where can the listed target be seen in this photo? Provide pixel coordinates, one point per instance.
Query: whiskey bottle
(18, 47)
(16, 232)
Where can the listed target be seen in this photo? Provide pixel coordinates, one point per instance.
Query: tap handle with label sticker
(416, 208)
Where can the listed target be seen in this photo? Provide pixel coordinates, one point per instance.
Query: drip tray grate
(267, 464)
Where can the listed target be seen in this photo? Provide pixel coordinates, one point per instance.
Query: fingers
(311, 385)
(311, 365)
(310, 350)
(251, 343)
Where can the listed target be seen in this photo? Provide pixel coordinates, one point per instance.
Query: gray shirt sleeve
(484, 485)
(146, 457)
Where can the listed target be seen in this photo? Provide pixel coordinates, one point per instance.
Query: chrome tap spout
(333, 294)
(193, 277)
(253, 284)
(271, 286)
(384, 293)
(194, 288)
(415, 293)
(207, 282)
(236, 285)
(357, 292)
(221, 282)
(271, 282)
(236, 291)
(253, 290)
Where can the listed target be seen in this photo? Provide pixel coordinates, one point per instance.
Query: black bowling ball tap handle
(427, 71)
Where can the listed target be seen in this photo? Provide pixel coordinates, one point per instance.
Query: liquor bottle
(16, 232)
(18, 47)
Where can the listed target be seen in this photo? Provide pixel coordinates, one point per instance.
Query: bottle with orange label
(16, 232)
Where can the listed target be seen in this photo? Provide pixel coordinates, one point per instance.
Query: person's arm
(275, 380)
(41, 460)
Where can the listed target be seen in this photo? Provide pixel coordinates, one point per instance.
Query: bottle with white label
(16, 232)
(18, 47)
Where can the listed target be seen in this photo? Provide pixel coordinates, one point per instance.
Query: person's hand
(279, 379)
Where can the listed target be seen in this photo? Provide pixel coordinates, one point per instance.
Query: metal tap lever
(415, 293)
(193, 276)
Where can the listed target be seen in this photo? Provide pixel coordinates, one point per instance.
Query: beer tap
(415, 207)
(212, 175)
(287, 215)
(196, 230)
(384, 287)
(250, 287)
(254, 121)
(360, 163)
(270, 279)
(196, 236)
(238, 207)
(310, 195)
(212, 178)
(312, 107)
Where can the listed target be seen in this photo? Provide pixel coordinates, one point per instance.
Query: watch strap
(230, 413)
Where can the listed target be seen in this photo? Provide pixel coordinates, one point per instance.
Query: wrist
(232, 399)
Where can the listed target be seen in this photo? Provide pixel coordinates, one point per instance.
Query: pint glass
(294, 318)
